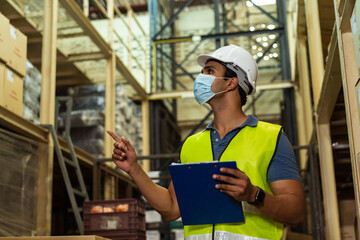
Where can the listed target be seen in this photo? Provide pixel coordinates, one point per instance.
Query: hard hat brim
(203, 59)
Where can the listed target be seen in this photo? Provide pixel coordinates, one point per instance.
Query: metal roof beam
(266, 13)
(221, 35)
(172, 19)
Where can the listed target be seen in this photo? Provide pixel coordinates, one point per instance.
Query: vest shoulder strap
(269, 126)
(197, 146)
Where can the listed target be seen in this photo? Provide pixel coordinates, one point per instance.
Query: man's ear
(234, 82)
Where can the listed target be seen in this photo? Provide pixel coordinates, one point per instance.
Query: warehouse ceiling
(198, 20)
(81, 53)
(30, 29)
(81, 59)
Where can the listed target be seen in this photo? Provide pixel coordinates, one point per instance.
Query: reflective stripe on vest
(222, 235)
(252, 148)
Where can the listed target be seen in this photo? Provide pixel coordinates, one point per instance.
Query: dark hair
(230, 74)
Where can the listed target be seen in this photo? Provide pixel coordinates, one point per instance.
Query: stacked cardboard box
(11, 90)
(347, 219)
(13, 52)
(4, 38)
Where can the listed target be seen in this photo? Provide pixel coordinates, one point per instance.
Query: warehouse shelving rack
(333, 114)
(46, 29)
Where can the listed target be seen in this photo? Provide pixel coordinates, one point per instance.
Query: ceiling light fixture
(260, 2)
(272, 36)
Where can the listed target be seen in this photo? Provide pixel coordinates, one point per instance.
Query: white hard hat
(236, 57)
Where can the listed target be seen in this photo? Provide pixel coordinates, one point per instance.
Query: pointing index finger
(114, 136)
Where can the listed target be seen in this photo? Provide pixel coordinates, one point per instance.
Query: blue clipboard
(199, 201)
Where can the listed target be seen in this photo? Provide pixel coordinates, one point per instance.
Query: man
(266, 181)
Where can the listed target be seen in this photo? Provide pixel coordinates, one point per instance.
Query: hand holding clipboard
(199, 201)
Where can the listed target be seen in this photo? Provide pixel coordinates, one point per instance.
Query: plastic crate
(120, 234)
(106, 218)
(114, 221)
(134, 205)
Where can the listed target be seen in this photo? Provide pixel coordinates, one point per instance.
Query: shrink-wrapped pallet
(31, 93)
(89, 113)
(18, 184)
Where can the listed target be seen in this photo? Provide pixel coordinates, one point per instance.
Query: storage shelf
(26, 128)
(22, 126)
(65, 69)
(336, 117)
(331, 84)
(81, 155)
(88, 237)
(121, 175)
(345, 14)
(71, 69)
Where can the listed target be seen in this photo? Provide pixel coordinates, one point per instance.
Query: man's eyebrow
(209, 67)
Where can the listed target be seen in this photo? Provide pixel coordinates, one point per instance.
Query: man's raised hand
(124, 155)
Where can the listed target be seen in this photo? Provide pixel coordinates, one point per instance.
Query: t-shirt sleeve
(283, 166)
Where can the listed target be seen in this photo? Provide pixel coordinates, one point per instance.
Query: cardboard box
(347, 219)
(11, 90)
(178, 234)
(153, 235)
(4, 38)
(18, 51)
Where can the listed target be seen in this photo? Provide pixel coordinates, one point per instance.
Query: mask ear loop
(221, 92)
(224, 91)
(237, 85)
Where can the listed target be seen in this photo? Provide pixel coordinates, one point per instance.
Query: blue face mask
(202, 88)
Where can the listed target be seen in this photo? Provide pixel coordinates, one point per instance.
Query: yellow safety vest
(252, 148)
